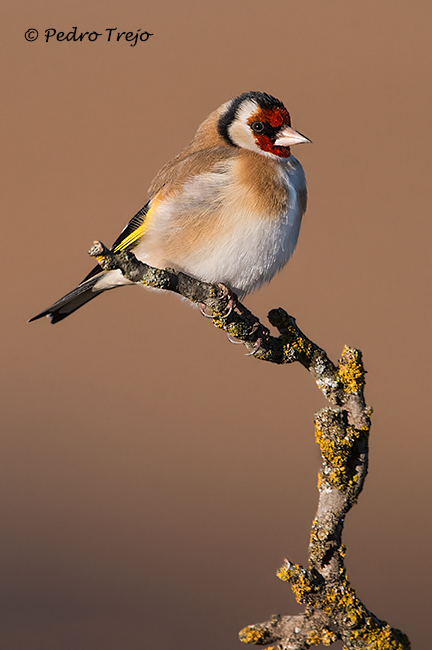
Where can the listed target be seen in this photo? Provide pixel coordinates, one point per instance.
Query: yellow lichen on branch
(351, 371)
(253, 634)
(298, 577)
(324, 637)
(336, 441)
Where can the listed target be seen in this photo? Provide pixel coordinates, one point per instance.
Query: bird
(227, 209)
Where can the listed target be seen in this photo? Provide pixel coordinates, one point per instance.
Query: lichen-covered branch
(332, 609)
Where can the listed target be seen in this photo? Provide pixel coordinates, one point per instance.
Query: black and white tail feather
(71, 301)
(88, 288)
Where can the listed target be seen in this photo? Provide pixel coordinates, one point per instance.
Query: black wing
(127, 238)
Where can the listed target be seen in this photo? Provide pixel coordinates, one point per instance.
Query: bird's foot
(232, 303)
(262, 332)
(232, 300)
(258, 331)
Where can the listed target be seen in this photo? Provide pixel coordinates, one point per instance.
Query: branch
(332, 609)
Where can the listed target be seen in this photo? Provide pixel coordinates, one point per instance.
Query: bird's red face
(266, 123)
(260, 123)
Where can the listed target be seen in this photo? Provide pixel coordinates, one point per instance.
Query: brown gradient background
(154, 477)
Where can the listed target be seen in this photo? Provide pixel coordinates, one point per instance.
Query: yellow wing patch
(133, 237)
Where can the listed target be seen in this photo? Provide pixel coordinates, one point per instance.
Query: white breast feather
(247, 251)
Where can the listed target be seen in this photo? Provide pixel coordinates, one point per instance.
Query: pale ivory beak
(287, 137)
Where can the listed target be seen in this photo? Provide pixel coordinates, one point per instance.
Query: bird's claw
(234, 341)
(257, 328)
(202, 308)
(232, 301)
(263, 334)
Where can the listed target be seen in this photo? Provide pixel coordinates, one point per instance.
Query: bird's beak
(287, 137)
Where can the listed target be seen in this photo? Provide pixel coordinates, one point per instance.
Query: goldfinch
(226, 209)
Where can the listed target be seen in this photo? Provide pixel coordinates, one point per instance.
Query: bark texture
(332, 609)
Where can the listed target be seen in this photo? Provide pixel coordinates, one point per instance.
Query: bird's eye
(258, 127)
